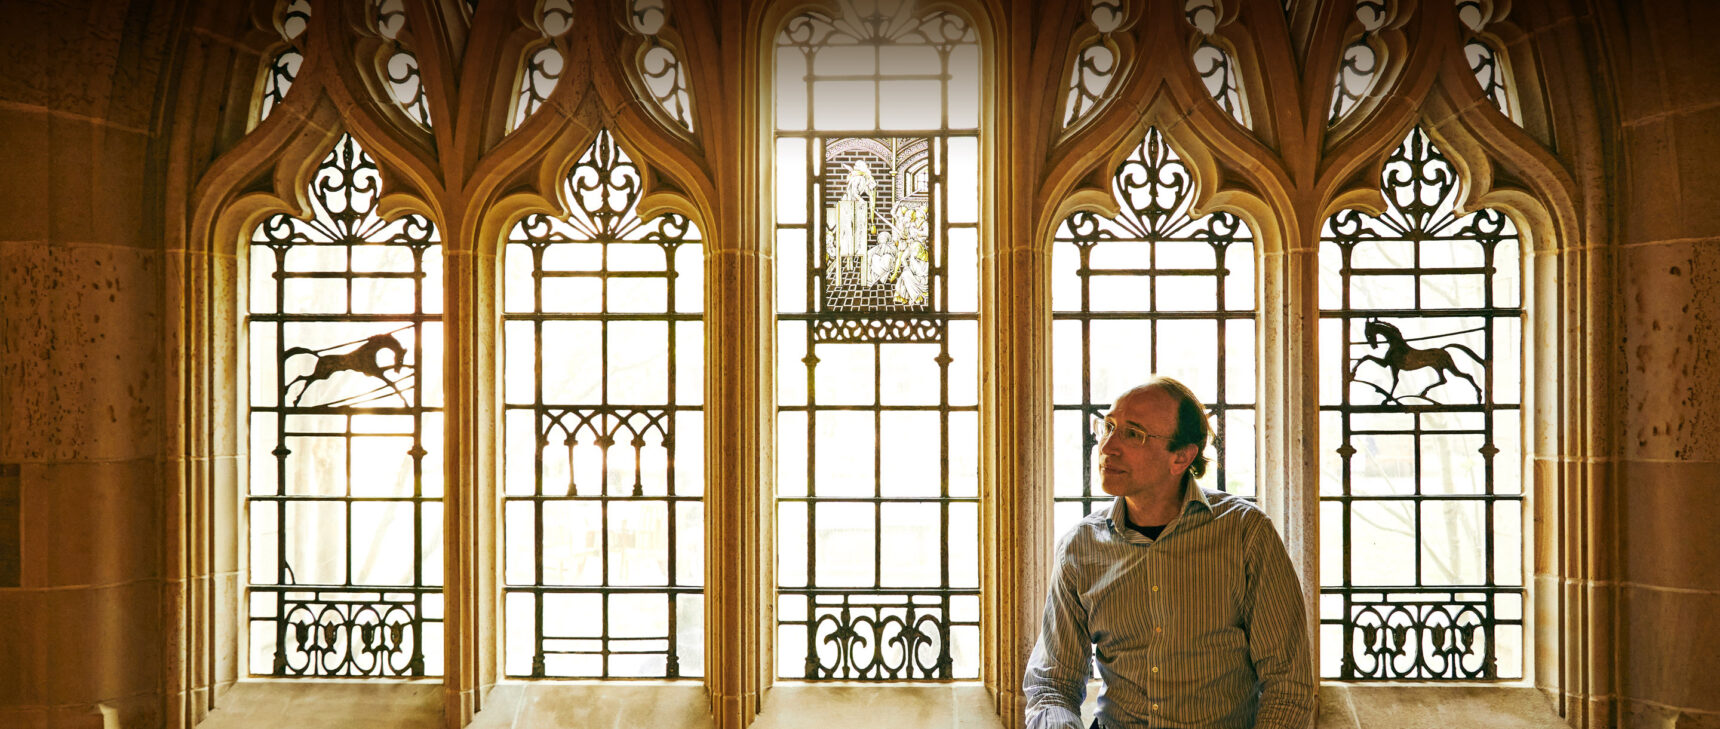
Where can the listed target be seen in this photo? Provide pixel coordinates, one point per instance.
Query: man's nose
(1108, 444)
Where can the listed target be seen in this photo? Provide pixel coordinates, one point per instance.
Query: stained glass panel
(1421, 501)
(602, 507)
(345, 485)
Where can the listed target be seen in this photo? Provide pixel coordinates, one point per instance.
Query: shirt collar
(1192, 493)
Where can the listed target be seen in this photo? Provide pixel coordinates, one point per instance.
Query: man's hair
(1193, 428)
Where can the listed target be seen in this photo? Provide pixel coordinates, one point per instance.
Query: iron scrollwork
(355, 636)
(864, 640)
(1404, 639)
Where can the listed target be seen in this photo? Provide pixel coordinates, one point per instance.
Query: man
(1185, 594)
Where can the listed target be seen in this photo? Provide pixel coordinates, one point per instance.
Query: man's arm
(1277, 633)
(1056, 678)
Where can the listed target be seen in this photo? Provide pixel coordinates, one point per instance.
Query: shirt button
(1155, 707)
(1155, 588)
(1158, 629)
(1155, 669)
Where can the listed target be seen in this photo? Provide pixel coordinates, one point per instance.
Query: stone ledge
(293, 704)
(279, 704)
(1352, 706)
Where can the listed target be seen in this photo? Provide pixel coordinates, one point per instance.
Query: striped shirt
(1202, 627)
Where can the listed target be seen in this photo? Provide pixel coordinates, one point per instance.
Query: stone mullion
(1017, 530)
(188, 590)
(738, 408)
(471, 629)
(1289, 401)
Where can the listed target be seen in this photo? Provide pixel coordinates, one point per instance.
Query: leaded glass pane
(1153, 289)
(877, 162)
(401, 69)
(344, 502)
(603, 434)
(1359, 67)
(1420, 417)
(1095, 63)
(284, 66)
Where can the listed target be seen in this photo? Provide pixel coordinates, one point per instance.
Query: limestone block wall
(1667, 187)
(81, 399)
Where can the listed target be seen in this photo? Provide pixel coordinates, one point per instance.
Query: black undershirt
(1150, 532)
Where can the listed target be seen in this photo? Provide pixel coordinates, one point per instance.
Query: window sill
(1367, 706)
(327, 704)
(293, 704)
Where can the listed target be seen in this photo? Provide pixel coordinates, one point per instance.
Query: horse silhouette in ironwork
(1400, 358)
(362, 360)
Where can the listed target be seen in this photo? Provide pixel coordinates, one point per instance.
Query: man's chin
(1113, 484)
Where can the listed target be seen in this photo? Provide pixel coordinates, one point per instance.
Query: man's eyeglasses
(1103, 428)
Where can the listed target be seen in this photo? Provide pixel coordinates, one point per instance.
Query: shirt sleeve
(1056, 679)
(1277, 633)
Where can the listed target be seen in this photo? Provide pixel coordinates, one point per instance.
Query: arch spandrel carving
(1502, 166)
(1415, 44)
(1233, 171)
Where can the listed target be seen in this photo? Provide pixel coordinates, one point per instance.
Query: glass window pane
(1420, 431)
(606, 370)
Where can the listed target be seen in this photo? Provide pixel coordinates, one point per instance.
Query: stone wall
(83, 396)
(1667, 186)
(81, 384)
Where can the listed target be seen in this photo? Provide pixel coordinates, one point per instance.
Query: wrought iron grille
(541, 70)
(1151, 290)
(603, 507)
(1095, 64)
(877, 243)
(345, 489)
(1421, 485)
(1489, 72)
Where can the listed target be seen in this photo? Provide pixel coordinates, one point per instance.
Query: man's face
(1131, 469)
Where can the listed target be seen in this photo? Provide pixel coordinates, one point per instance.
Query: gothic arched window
(346, 434)
(877, 242)
(603, 481)
(1421, 489)
(1155, 289)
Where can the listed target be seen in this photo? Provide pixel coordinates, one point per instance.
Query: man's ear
(1182, 457)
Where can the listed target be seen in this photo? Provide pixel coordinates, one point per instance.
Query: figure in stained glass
(876, 231)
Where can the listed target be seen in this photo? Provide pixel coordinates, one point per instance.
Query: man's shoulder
(1230, 506)
(1086, 530)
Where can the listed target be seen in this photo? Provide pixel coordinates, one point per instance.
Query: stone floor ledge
(1353, 706)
